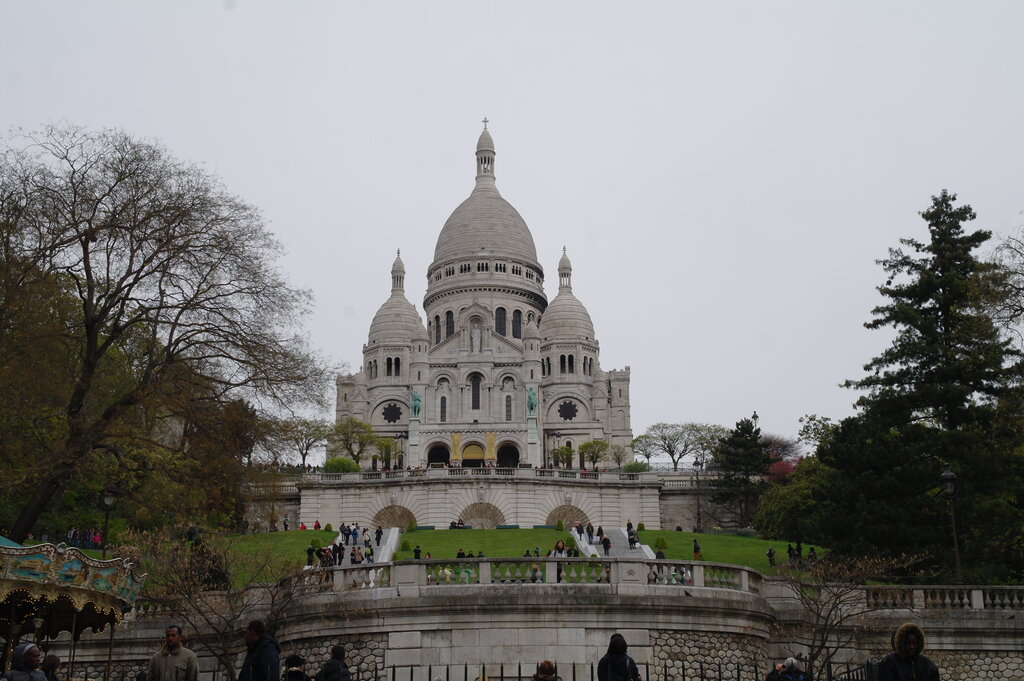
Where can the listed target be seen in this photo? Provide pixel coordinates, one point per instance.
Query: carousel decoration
(49, 589)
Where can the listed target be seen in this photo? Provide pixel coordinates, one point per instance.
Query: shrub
(315, 543)
(560, 525)
(328, 528)
(637, 467)
(640, 527)
(660, 544)
(340, 464)
(406, 546)
(411, 526)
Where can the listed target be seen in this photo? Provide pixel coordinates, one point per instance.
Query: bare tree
(618, 455)
(303, 435)
(832, 592)
(704, 441)
(670, 439)
(174, 278)
(215, 587)
(645, 446)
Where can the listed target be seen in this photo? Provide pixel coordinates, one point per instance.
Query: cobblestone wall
(737, 656)
(972, 665)
(365, 653)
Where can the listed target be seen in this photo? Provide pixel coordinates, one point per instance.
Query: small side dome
(397, 321)
(566, 318)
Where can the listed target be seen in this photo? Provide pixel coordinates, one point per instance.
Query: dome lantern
(398, 274)
(485, 157)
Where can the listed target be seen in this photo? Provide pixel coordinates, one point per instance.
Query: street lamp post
(108, 504)
(950, 487)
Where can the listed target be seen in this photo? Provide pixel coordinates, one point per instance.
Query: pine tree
(743, 460)
(946, 390)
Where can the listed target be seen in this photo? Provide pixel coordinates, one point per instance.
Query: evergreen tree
(946, 390)
(743, 460)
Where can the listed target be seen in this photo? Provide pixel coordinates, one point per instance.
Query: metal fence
(674, 671)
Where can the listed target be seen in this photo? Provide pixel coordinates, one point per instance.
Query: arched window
(572, 364)
(398, 366)
(474, 382)
(449, 323)
(437, 329)
(387, 371)
(444, 409)
(543, 368)
(561, 364)
(517, 324)
(499, 321)
(375, 368)
(508, 407)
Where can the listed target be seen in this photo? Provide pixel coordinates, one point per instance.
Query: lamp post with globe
(108, 500)
(951, 488)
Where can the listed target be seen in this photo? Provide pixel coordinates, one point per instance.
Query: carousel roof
(54, 588)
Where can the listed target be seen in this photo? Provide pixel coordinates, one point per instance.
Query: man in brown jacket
(173, 662)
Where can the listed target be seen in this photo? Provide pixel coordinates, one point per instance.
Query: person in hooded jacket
(51, 666)
(907, 663)
(335, 669)
(616, 665)
(262, 656)
(25, 664)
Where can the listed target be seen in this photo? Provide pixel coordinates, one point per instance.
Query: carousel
(48, 590)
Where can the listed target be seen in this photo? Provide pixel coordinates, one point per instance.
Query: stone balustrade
(376, 477)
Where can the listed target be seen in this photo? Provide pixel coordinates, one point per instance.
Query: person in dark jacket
(616, 665)
(295, 668)
(25, 663)
(907, 663)
(262, 656)
(335, 669)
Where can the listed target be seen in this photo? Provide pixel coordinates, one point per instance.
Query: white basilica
(498, 376)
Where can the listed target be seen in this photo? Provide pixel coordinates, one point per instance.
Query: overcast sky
(724, 175)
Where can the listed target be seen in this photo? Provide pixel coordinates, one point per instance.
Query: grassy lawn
(494, 543)
(722, 548)
(291, 544)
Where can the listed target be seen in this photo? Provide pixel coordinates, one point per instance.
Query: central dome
(485, 223)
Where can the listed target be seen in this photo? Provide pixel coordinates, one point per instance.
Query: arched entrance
(438, 454)
(508, 456)
(472, 456)
(482, 516)
(568, 515)
(394, 516)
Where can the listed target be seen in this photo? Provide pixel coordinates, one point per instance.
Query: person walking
(616, 665)
(906, 663)
(590, 533)
(771, 556)
(295, 668)
(377, 535)
(173, 662)
(696, 550)
(607, 544)
(545, 672)
(262, 655)
(335, 669)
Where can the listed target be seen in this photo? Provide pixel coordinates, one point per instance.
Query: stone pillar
(413, 456)
(533, 453)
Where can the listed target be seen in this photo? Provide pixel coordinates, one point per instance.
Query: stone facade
(526, 498)
(498, 375)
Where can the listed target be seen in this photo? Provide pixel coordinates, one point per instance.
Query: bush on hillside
(406, 546)
(660, 544)
(328, 528)
(340, 464)
(641, 527)
(637, 467)
(411, 526)
(560, 525)
(315, 543)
